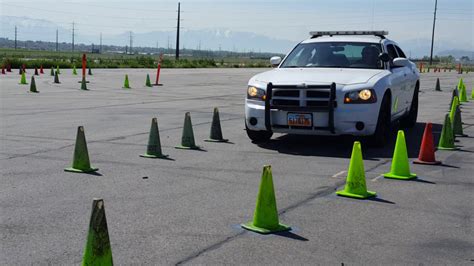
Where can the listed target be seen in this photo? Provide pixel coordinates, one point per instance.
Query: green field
(34, 58)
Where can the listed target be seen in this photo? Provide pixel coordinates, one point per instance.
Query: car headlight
(360, 96)
(256, 93)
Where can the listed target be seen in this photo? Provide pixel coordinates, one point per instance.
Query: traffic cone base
(368, 194)
(265, 218)
(394, 176)
(74, 170)
(146, 155)
(216, 140)
(251, 227)
(418, 161)
(187, 148)
(448, 148)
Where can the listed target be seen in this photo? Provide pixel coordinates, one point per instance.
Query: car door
(410, 81)
(398, 84)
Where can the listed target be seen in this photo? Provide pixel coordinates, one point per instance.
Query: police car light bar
(380, 33)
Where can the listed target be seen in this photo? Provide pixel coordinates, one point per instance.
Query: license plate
(302, 120)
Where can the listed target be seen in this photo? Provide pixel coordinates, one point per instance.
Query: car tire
(258, 136)
(409, 120)
(382, 132)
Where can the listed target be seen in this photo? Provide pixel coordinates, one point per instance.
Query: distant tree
(464, 59)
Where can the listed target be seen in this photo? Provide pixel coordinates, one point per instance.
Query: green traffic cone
(57, 69)
(74, 71)
(56, 77)
(33, 85)
(446, 141)
(265, 217)
(460, 84)
(80, 161)
(355, 182)
(52, 71)
(90, 71)
(463, 94)
(98, 250)
(455, 104)
(23, 78)
(400, 167)
(187, 140)
(216, 130)
(126, 85)
(472, 93)
(438, 87)
(84, 84)
(148, 82)
(153, 149)
(457, 123)
(453, 96)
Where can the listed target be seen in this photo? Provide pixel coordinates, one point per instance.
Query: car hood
(292, 76)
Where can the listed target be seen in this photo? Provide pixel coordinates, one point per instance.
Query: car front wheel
(382, 132)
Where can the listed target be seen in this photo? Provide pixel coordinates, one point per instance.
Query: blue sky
(291, 20)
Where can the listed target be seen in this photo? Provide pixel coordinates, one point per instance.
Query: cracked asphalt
(188, 210)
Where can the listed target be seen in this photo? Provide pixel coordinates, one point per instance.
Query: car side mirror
(384, 57)
(275, 61)
(401, 62)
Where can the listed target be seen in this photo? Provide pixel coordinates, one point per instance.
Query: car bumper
(346, 117)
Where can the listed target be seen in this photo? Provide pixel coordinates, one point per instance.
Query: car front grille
(314, 97)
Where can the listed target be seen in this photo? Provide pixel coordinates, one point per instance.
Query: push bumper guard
(329, 107)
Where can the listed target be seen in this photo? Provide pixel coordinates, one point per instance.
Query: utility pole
(73, 36)
(57, 38)
(432, 34)
(15, 37)
(131, 42)
(100, 47)
(177, 32)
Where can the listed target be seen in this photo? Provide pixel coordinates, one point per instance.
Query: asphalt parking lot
(189, 209)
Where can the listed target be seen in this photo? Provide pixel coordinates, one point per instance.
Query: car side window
(400, 52)
(391, 52)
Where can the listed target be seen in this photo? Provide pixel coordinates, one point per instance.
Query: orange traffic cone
(427, 149)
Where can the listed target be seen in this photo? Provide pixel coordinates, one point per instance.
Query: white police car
(335, 83)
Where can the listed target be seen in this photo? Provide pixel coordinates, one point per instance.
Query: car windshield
(335, 54)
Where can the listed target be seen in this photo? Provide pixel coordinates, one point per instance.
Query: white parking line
(377, 177)
(339, 174)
